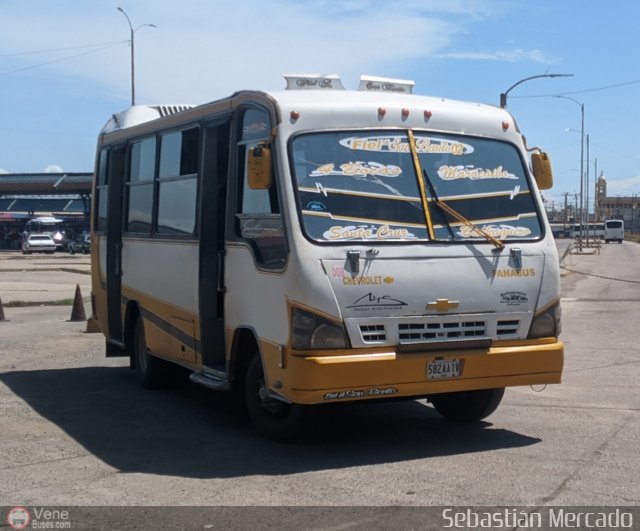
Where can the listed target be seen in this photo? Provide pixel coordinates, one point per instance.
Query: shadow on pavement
(197, 433)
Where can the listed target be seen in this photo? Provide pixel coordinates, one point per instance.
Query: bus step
(210, 381)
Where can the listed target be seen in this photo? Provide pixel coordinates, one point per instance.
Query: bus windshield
(362, 185)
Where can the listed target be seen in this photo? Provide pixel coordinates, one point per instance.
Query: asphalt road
(76, 429)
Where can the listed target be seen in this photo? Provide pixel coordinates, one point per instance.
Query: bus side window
(178, 182)
(100, 219)
(258, 216)
(139, 186)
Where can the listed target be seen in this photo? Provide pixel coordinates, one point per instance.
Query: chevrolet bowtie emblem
(442, 305)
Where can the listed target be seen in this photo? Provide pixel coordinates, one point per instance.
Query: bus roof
(317, 107)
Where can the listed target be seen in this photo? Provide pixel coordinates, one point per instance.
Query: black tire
(467, 406)
(151, 371)
(272, 418)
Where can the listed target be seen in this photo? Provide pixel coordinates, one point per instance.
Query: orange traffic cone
(1, 312)
(77, 312)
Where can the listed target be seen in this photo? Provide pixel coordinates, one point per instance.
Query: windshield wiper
(433, 193)
(420, 172)
(455, 214)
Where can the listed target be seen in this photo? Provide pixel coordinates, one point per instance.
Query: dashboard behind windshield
(363, 186)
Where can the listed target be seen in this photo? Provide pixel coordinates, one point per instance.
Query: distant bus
(589, 230)
(46, 225)
(613, 230)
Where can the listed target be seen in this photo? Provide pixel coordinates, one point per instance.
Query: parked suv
(82, 244)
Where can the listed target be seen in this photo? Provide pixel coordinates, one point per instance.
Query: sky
(65, 67)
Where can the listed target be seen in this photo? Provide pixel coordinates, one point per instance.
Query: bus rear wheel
(467, 406)
(273, 418)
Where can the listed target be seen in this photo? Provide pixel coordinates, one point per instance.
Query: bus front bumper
(321, 377)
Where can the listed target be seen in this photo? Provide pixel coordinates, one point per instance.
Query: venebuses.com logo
(18, 518)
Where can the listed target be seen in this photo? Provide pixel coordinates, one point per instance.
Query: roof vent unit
(167, 110)
(139, 114)
(313, 82)
(385, 84)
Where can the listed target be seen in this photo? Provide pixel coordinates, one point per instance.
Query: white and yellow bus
(318, 245)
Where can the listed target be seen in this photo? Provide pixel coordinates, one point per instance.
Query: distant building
(626, 208)
(23, 196)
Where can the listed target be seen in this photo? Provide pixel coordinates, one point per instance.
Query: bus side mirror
(259, 167)
(542, 170)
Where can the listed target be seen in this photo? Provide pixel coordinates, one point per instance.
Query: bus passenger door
(213, 193)
(114, 244)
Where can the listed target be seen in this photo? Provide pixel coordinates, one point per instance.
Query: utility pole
(566, 194)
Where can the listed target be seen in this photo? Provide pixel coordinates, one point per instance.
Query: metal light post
(132, 42)
(581, 155)
(503, 96)
(587, 189)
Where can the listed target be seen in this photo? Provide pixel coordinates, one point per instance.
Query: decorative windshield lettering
(451, 173)
(366, 232)
(358, 168)
(497, 231)
(363, 185)
(399, 144)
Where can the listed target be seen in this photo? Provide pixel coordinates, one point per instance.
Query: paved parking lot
(77, 429)
(43, 277)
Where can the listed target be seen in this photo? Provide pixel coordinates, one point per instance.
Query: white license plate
(444, 369)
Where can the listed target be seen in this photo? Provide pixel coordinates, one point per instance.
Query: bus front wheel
(273, 418)
(467, 406)
(150, 370)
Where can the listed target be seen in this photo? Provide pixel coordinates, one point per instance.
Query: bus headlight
(547, 324)
(310, 331)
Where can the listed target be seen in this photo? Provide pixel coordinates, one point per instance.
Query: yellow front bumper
(320, 377)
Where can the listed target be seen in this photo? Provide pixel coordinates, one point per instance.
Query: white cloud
(510, 56)
(3, 171)
(53, 168)
(211, 49)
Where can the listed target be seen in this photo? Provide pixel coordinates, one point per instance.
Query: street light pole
(587, 182)
(581, 156)
(132, 43)
(503, 96)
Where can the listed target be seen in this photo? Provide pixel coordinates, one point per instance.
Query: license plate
(444, 369)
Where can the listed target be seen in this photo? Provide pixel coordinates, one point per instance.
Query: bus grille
(373, 333)
(507, 328)
(440, 331)
(436, 331)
